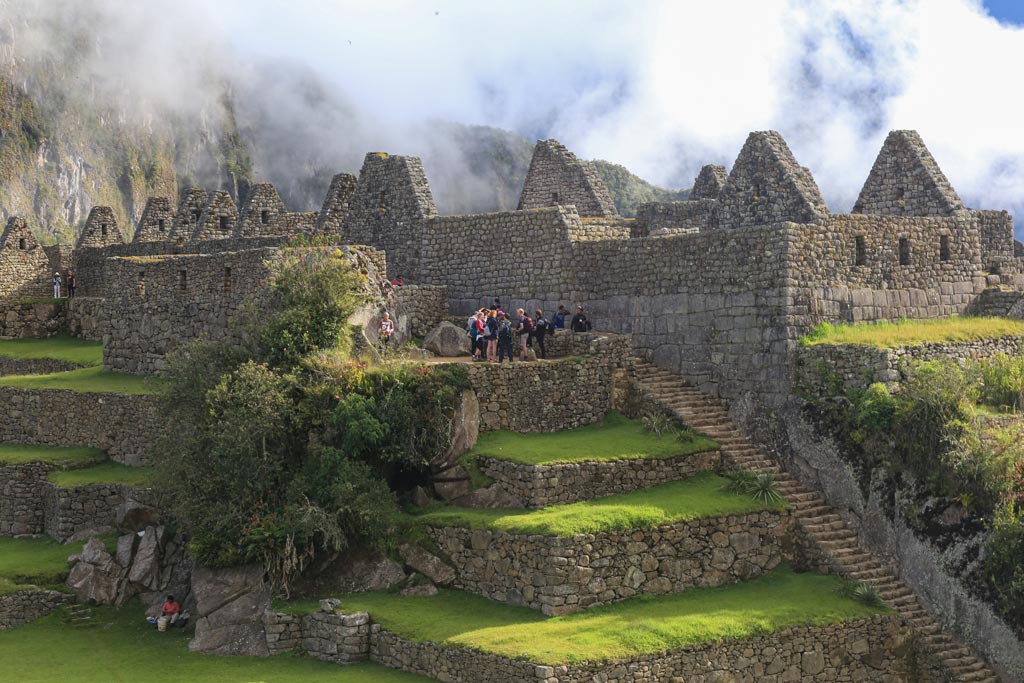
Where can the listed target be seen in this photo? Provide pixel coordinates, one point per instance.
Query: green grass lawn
(17, 454)
(644, 625)
(614, 438)
(122, 648)
(104, 473)
(36, 561)
(87, 380)
(886, 335)
(85, 352)
(693, 498)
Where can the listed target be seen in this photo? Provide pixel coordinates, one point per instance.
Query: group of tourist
(58, 281)
(492, 331)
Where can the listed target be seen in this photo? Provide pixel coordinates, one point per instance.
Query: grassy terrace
(18, 454)
(644, 625)
(84, 352)
(886, 335)
(122, 648)
(87, 380)
(694, 498)
(614, 438)
(103, 473)
(35, 562)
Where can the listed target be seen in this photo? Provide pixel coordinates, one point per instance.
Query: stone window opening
(195, 215)
(21, 243)
(943, 247)
(904, 251)
(264, 217)
(103, 229)
(757, 192)
(161, 225)
(142, 283)
(227, 278)
(861, 258)
(901, 196)
(382, 200)
(224, 223)
(182, 280)
(554, 199)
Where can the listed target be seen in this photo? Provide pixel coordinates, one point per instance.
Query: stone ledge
(560, 575)
(22, 607)
(539, 486)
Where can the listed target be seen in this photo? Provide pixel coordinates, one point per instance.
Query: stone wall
(123, 425)
(34, 366)
(18, 609)
(87, 317)
(562, 575)
(22, 490)
(662, 218)
(859, 366)
(80, 317)
(869, 651)
(330, 637)
(548, 397)
(67, 511)
(538, 486)
(24, 265)
(419, 308)
(557, 178)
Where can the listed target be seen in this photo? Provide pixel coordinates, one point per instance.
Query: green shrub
(863, 593)
(760, 487)
(1004, 563)
(1002, 381)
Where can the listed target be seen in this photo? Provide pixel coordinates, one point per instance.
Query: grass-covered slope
(889, 335)
(122, 648)
(18, 454)
(35, 562)
(104, 473)
(613, 438)
(87, 380)
(645, 625)
(700, 496)
(84, 352)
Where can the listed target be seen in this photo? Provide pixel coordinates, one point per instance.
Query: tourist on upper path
(71, 284)
(558, 319)
(580, 322)
(56, 285)
(524, 328)
(385, 332)
(504, 338)
(476, 334)
(540, 329)
(491, 335)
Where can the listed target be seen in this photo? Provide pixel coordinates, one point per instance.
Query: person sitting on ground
(387, 329)
(580, 322)
(171, 609)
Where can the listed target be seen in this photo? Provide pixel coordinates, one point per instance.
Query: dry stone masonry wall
(562, 575)
(557, 178)
(24, 265)
(101, 229)
(157, 221)
(22, 607)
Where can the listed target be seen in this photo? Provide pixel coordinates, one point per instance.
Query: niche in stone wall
(901, 196)
(264, 217)
(161, 225)
(103, 229)
(227, 278)
(861, 248)
(554, 199)
(21, 243)
(142, 283)
(224, 223)
(904, 251)
(182, 280)
(943, 247)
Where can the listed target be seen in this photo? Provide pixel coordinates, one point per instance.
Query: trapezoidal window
(554, 198)
(21, 243)
(103, 229)
(264, 217)
(901, 196)
(757, 192)
(182, 280)
(904, 251)
(943, 247)
(227, 278)
(224, 222)
(382, 200)
(195, 214)
(861, 251)
(161, 225)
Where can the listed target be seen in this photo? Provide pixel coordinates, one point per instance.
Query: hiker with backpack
(474, 328)
(524, 329)
(504, 339)
(540, 329)
(491, 335)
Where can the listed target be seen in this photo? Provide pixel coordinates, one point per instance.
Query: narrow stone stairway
(79, 615)
(820, 522)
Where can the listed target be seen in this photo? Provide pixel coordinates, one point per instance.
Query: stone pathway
(822, 524)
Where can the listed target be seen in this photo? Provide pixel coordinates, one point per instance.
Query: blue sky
(1010, 11)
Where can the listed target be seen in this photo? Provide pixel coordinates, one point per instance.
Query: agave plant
(764, 489)
(863, 593)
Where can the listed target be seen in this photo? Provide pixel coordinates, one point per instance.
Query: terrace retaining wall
(21, 495)
(121, 424)
(18, 609)
(559, 575)
(537, 486)
(873, 650)
(337, 638)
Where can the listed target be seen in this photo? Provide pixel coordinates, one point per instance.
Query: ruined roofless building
(190, 208)
(557, 178)
(100, 229)
(157, 221)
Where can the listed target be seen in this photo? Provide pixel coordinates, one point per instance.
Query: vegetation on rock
(85, 352)
(890, 335)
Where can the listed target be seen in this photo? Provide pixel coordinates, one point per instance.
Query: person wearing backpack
(505, 339)
(524, 329)
(491, 335)
(540, 330)
(475, 329)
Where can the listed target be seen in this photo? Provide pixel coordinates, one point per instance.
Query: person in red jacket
(171, 609)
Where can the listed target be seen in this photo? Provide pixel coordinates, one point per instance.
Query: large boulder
(355, 571)
(230, 602)
(448, 341)
(145, 568)
(96, 578)
(134, 516)
(465, 429)
(431, 566)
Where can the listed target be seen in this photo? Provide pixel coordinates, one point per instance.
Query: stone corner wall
(420, 308)
(23, 607)
(336, 638)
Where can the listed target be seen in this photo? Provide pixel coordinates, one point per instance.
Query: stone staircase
(79, 615)
(824, 527)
